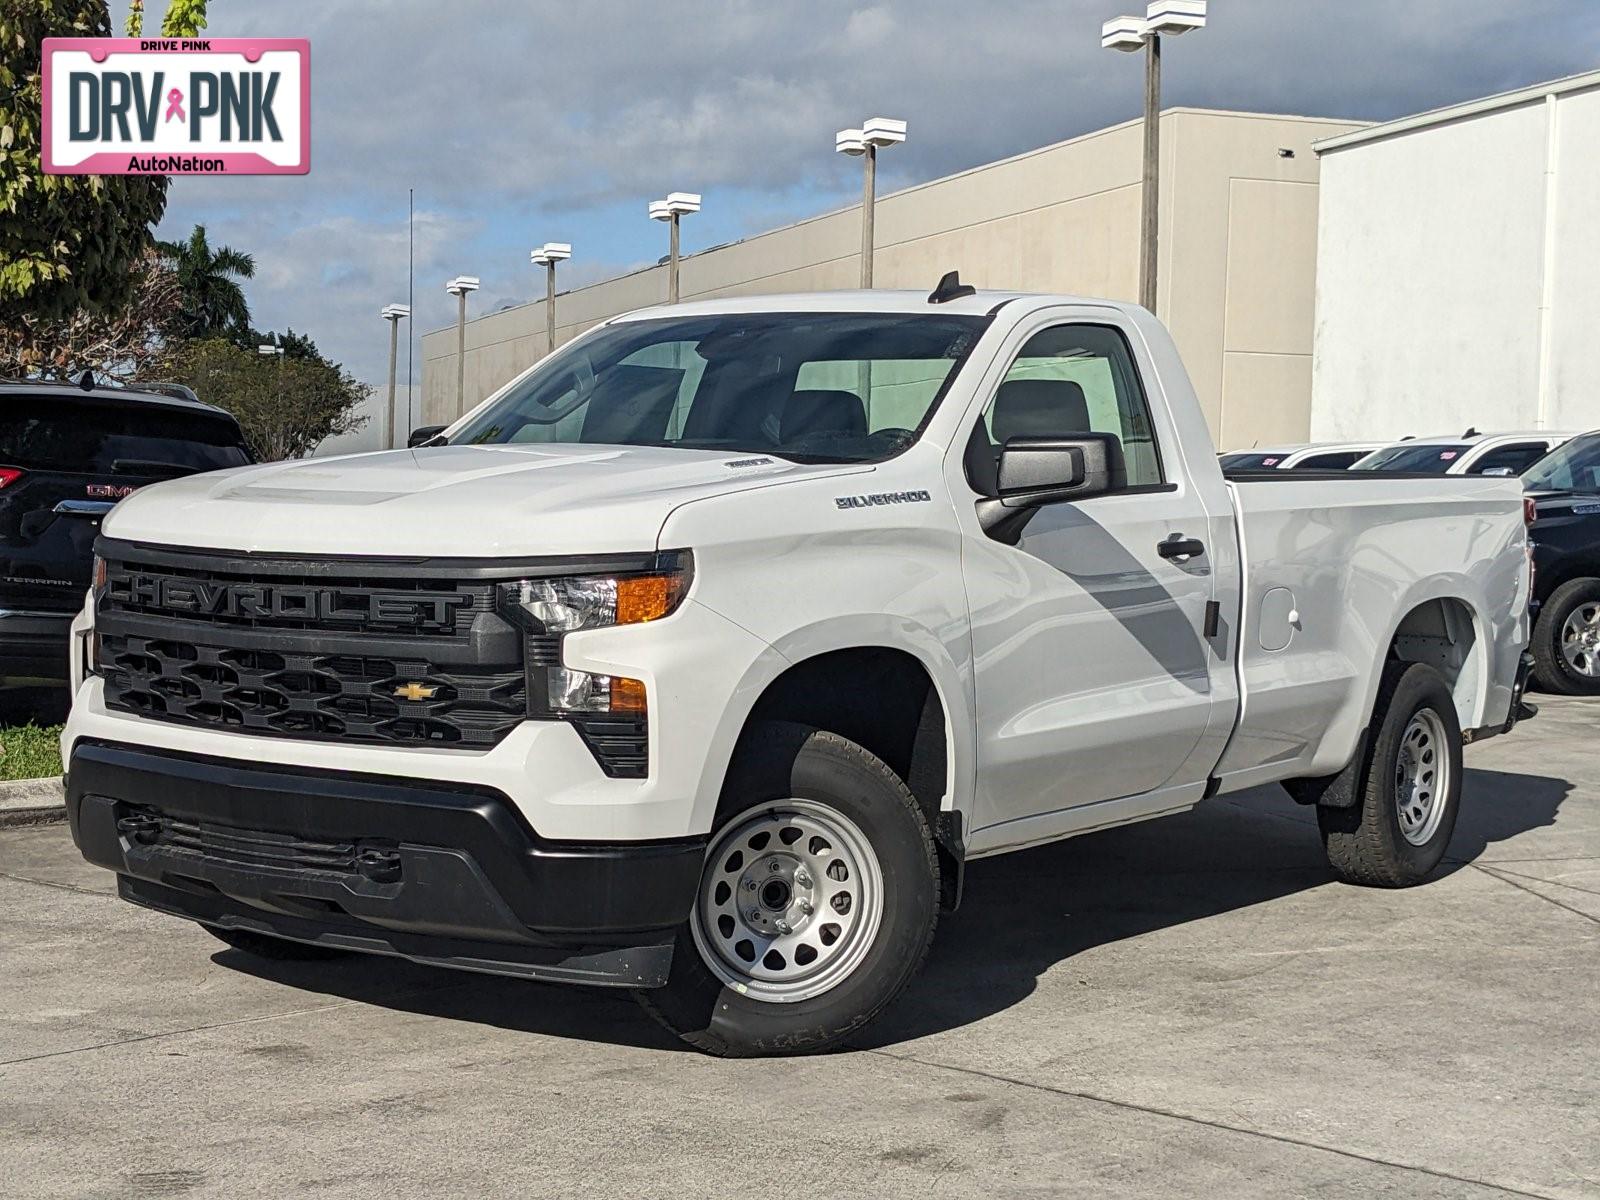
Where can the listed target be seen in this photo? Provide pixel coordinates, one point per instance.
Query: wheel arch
(899, 697)
(1446, 632)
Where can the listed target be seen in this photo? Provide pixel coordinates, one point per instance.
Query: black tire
(1550, 668)
(1364, 842)
(777, 761)
(278, 949)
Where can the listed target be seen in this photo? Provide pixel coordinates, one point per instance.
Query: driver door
(1092, 673)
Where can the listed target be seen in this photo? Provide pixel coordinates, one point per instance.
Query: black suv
(1565, 488)
(66, 456)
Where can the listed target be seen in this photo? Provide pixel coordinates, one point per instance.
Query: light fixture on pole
(459, 287)
(670, 210)
(394, 314)
(865, 143)
(547, 256)
(1163, 18)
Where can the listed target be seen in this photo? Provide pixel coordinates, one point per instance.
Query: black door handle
(1178, 546)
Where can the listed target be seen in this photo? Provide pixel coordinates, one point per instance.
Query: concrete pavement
(1188, 1007)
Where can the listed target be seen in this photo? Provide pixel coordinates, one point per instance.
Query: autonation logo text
(168, 106)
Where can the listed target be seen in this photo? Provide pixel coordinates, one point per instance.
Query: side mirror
(1501, 471)
(423, 435)
(1044, 470)
(1035, 471)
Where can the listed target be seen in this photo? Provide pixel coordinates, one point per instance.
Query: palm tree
(213, 302)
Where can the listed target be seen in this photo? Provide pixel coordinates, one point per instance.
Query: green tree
(295, 345)
(287, 407)
(213, 302)
(120, 343)
(67, 242)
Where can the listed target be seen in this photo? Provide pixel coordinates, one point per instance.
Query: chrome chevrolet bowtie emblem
(416, 691)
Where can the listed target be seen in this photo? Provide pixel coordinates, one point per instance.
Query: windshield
(1574, 467)
(813, 387)
(1431, 459)
(1242, 461)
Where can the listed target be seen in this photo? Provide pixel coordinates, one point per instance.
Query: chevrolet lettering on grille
(265, 601)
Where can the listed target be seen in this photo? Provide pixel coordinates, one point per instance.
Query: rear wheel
(1566, 640)
(816, 906)
(280, 949)
(1396, 832)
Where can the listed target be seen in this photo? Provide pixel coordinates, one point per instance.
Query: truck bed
(1332, 572)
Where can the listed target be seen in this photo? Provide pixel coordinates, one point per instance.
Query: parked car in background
(66, 456)
(1472, 453)
(1313, 456)
(1564, 488)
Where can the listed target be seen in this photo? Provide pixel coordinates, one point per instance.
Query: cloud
(556, 121)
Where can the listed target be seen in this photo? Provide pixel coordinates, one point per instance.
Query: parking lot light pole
(268, 348)
(671, 210)
(1163, 18)
(394, 314)
(547, 256)
(864, 143)
(460, 287)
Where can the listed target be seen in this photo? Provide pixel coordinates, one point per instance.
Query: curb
(32, 802)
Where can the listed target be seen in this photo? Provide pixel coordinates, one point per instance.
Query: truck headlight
(566, 605)
(550, 608)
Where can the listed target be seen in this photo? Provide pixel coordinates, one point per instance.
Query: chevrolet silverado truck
(702, 658)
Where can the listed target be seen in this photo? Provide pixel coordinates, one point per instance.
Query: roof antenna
(1472, 431)
(951, 288)
(86, 380)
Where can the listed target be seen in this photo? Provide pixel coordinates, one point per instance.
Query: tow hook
(144, 828)
(380, 866)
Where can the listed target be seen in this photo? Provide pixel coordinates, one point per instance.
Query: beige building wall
(1238, 259)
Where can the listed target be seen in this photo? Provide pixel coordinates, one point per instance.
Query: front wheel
(1566, 640)
(816, 905)
(1396, 832)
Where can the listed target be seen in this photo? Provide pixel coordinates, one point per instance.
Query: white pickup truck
(702, 657)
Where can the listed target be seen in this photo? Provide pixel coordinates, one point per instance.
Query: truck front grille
(311, 696)
(289, 648)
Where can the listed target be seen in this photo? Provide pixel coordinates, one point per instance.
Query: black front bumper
(33, 647)
(451, 876)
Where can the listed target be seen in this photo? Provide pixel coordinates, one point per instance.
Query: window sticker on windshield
(1447, 455)
(1270, 462)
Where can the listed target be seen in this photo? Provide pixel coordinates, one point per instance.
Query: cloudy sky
(526, 121)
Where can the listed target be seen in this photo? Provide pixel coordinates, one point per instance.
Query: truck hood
(448, 501)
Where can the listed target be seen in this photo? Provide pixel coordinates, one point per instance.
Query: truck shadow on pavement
(1022, 915)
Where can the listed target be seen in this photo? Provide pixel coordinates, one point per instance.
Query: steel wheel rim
(1580, 639)
(751, 922)
(1421, 777)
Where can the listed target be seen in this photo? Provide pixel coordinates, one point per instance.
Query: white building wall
(1573, 385)
(1458, 274)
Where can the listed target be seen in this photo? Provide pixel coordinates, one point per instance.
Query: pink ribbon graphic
(175, 106)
